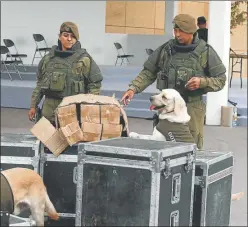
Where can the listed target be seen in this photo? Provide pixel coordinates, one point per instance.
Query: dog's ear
(180, 105)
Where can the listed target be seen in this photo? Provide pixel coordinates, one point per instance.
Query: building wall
(21, 19)
(135, 17)
(136, 25)
(45, 17)
(239, 43)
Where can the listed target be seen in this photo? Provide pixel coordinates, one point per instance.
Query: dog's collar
(170, 111)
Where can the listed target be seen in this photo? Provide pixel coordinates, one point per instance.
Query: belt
(53, 97)
(189, 99)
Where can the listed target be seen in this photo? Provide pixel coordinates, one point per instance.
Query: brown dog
(28, 187)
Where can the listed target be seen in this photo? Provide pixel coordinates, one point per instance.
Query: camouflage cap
(186, 23)
(70, 27)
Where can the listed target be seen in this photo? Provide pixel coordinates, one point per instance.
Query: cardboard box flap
(53, 139)
(89, 99)
(124, 115)
(57, 143)
(70, 129)
(43, 130)
(72, 133)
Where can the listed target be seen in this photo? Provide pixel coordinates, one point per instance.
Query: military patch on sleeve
(86, 65)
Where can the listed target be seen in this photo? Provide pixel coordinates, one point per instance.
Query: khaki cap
(186, 23)
(70, 27)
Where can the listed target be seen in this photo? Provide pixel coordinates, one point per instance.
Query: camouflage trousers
(49, 107)
(197, 111)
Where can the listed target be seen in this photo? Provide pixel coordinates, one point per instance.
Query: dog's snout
(151, 98)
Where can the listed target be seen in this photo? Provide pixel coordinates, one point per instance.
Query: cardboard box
(228, 116)
(72, 133)
(111, 131)
(69, 133)
(110, 114)
(91, 131)
(51, 137)
(90, 113)
(67, 114)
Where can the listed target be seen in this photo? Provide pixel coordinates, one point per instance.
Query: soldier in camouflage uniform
(67, 70)
(187, 64)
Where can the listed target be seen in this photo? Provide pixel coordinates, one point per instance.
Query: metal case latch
(189, 162)
(201, 181)
(174, 218)
(43, 158)
(4, 216)
(167, 169)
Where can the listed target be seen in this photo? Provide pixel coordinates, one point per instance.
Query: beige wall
(148, 17)
(135, 17)
(196, 9)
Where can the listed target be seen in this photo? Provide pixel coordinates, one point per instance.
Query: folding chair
(239, 60)
(40, 38)
(9, 43)
(149, 51)
(5, 51)
(123, 55)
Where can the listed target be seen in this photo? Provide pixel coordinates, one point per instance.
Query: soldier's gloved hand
(31, 114)
(193, 83)
(127, 97)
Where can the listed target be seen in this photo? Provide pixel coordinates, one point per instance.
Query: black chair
(149, 51)
(122, 55)
(5, 51)
(40, 38)
(9, 43)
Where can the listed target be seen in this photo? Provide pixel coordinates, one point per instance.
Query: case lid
(18, 138)
(138, 147)
(207, 157)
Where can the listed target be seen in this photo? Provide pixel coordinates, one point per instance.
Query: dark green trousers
(197, 112)
(49, 107)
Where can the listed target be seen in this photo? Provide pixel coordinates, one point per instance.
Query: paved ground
(217, 138)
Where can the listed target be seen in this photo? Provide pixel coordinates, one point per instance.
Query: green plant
(238, 16)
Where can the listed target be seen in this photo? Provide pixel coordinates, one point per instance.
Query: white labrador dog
(171, 107)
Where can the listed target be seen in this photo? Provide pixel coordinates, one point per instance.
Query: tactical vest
(62, 76)
(7, 198)
(177, 68)
(175, 132)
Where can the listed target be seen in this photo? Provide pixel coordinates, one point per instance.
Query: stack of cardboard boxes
(81, 118)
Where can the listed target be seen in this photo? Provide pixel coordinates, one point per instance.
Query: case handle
(75, 175)
(174, 218)
(176, 188)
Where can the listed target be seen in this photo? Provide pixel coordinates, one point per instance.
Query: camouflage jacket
(85, 68)
(213, 81)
